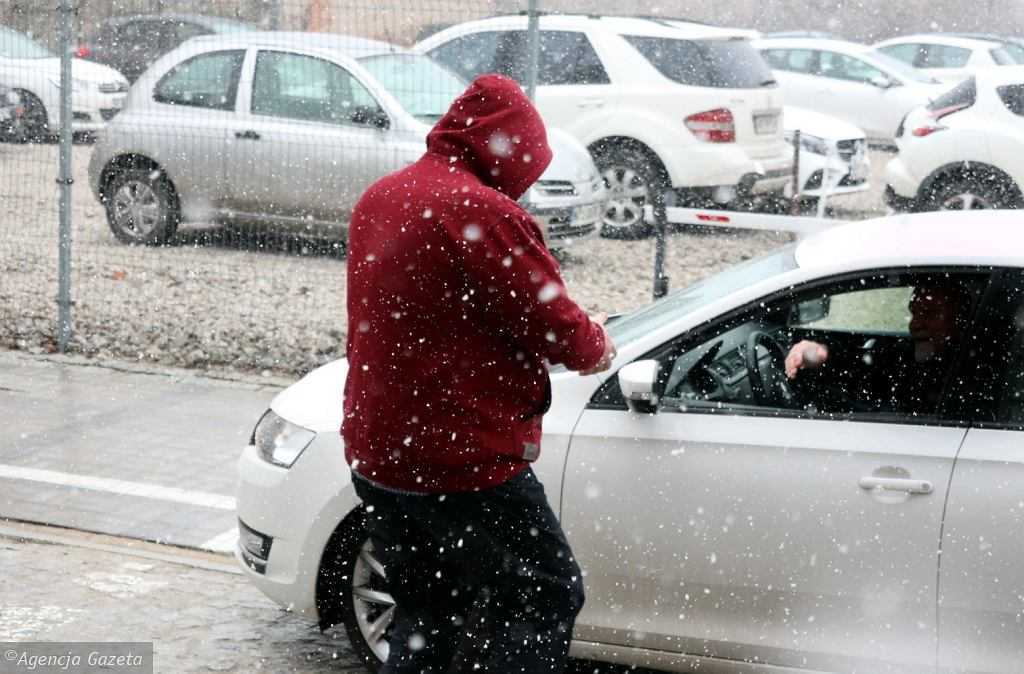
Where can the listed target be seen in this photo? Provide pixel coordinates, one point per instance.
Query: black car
(130, 44)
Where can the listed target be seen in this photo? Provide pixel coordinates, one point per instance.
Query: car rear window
(961, 96)
(725, 64)
(1012, 96)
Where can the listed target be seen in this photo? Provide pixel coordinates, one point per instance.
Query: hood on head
(494, 130)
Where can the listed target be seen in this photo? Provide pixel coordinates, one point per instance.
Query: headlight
(113, 87)
(812, 144)
(279, 441)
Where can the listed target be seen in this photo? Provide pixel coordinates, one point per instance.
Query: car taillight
(931, 127)
(83, 52)
(713, 126)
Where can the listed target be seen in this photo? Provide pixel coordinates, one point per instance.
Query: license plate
(765, 124)
(585, 214)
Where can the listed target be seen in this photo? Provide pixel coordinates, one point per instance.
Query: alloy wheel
(628, 194)
(136, 209)
(374, 606)
(965, 201)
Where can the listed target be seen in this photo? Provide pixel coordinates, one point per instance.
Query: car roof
(347, 44)
(652, 26)
(955, 238)
(813, 43)
(943, 39)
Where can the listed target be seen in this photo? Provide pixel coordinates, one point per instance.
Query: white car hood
(818, 124)
(81, 70)
(315, 401)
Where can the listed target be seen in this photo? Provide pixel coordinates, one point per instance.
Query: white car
(735, 524)
(950, 58)
(287, 130)
(849, 81)
(965, 150)
(33, 71)
(833, 154)
(659, 104)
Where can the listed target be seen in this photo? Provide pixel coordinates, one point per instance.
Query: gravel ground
(217, 300)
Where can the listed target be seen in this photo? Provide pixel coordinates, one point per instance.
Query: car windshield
(898, 67)
(652, 316)
(14, 45)
(423, 87)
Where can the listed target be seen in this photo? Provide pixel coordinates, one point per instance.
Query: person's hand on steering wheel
(805, 354)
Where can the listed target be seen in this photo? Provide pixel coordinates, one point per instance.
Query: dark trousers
(483, 581)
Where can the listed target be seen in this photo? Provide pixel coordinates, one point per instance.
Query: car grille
(555, 188)
(109, 113)
(849, 148)
(113, 87)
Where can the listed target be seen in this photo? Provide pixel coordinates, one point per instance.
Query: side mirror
(375, 117)
(639, 381)
(882, 82)
(810, 311)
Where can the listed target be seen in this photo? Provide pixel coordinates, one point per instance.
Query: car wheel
(367, 607)
(972, 195)
(634, 179)
(34, 125)
(141, 207)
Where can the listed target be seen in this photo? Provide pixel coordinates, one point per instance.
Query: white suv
(659, 103)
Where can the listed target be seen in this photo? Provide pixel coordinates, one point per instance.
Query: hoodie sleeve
(522, 291)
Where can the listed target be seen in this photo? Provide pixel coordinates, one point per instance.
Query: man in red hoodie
(455, 310)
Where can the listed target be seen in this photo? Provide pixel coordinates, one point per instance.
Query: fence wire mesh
(209, 198)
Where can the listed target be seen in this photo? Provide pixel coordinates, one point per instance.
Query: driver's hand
(805, 353)
(609, 348)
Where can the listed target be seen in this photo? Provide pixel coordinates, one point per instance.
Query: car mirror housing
(639, 382)
(883, 82)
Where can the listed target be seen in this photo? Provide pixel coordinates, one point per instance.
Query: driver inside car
(902, 378)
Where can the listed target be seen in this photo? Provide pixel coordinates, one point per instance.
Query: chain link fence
(205, 218)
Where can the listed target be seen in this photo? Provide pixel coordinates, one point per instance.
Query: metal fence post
(64, 330)
(661, 206)
(532, 48)
(794, 206)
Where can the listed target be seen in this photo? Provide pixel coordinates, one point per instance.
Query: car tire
(966, 194)
(142, 208)
(34, 125)
(366, 605)
(633, 178)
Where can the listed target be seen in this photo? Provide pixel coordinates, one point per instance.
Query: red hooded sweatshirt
(455, 304)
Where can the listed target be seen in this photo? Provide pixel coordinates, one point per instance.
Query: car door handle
(896, 484)
(591, 103)
(247, 135)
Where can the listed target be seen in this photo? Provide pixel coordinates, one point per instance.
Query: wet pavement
(200, 613)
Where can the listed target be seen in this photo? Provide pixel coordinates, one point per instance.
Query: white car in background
(735, 524)
(849, 81)
(950, 58)
(33, 71)
(833, 154)
(287, 130)
(660, 104)
(965, 150)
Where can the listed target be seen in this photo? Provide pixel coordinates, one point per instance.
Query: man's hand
(805, 353)
(609, 348)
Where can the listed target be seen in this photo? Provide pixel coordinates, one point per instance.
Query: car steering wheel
(770, 389)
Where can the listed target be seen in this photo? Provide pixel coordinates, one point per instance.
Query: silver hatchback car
(287, 130)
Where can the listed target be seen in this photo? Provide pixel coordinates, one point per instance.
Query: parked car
(11, 111)
(33, 71)
(130, 44)
(660, 103)
(950, 58)
(833, 154)
(726, 526)
(290, 136)
(965, 150)
(849, 81)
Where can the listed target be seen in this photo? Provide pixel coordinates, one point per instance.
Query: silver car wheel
(628, 194)
(136, 209)
(374, 608)
(965, 201)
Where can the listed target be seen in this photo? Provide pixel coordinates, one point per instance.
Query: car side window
(907, 52)
(293, 86)
(567, 57)
(842, 67)
(1012, 96)
(469, 55)
(945, 56)
(205, 81)
(793, 60)
(890, 344)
